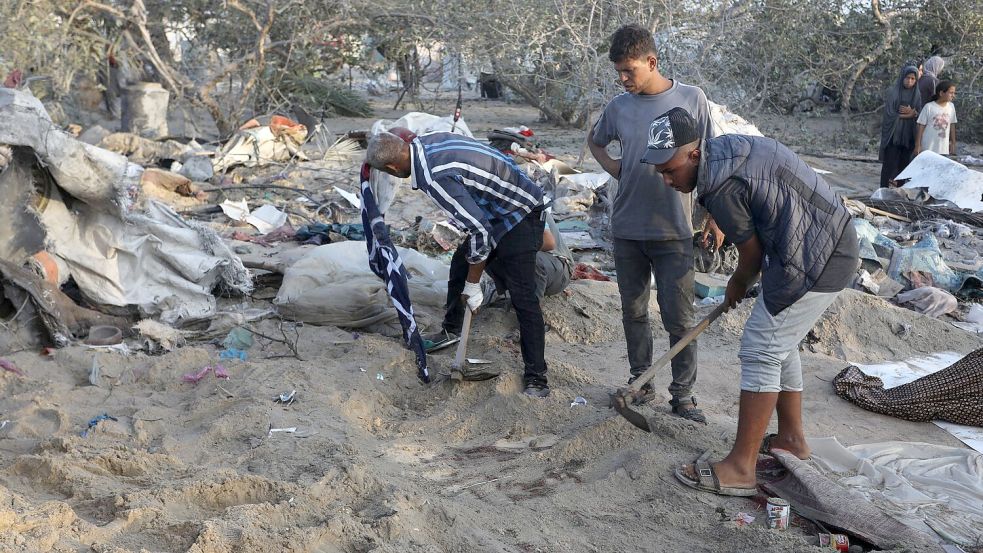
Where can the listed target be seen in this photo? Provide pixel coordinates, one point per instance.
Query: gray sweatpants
(770, 344)
(671, 261)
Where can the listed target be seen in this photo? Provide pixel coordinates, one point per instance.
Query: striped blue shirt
(483, 190)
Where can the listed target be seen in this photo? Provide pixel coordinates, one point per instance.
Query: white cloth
(925, 486)
(936, 120)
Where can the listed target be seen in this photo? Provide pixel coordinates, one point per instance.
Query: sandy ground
(381, 463)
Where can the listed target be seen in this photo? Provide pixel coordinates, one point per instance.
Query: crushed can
(838, 542)
(778, 513)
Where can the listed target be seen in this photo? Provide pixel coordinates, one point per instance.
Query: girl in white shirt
(937, 122)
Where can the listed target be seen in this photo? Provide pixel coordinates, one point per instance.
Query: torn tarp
(257, 145)
(945, 179)
(154, 260)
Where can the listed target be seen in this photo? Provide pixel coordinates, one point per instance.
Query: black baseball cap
(667, 133)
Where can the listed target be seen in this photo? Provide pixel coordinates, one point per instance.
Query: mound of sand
(381, 463)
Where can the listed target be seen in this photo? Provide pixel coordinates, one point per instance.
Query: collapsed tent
(76, 203)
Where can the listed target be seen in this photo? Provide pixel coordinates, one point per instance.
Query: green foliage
(323, 96)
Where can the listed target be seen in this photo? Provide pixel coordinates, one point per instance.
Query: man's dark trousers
(515, 254)
(672, 263)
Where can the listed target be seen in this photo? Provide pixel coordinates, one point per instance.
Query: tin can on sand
(839, 542)
(778, 513)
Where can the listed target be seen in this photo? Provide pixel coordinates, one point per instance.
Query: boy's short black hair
(631, 42)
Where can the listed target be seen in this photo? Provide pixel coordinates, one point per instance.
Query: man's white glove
(472, 290)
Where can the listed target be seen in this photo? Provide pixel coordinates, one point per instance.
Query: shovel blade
(619, 402)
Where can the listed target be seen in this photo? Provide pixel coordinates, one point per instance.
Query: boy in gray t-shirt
(651, 223)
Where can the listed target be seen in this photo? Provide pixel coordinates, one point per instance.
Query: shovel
(624, 397)
(462, 346)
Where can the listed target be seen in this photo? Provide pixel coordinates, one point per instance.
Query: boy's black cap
(668, 132)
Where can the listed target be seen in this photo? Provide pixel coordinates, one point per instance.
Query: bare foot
(795, 445)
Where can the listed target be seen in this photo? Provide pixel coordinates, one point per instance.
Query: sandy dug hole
(393, 466)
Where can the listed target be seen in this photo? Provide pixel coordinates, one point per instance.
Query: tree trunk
(886, 20)
(533, 99)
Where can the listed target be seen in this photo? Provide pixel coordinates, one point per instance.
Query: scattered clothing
(320, 233)
(954, 394)
(929, 300)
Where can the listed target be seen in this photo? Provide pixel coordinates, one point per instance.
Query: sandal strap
(706, 474)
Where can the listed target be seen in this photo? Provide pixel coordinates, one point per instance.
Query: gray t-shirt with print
(645, 208)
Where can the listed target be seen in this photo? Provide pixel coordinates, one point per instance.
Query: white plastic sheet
(945, 179)
(932, 488)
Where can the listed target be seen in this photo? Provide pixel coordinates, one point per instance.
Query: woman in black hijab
(901, 105)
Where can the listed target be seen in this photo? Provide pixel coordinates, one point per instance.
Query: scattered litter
(945, 179)
(104, 335)
(289, 430)
(196, 376)
(265, 218)
(476, 361)
(10, 367)
(743, 519)
(256, 145)
(379, 376)
(94, 372)
(222, 372)
(238, 338)
(232, 353)
(361, 369)
(351, 198)
(836, 542)
(929, 301)
(286, 397)
(710, 285)
(219, 370)
(973, 321)
(713, 300)
(4, 423)
(95, 421)
(778, 511)
(578, 401)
